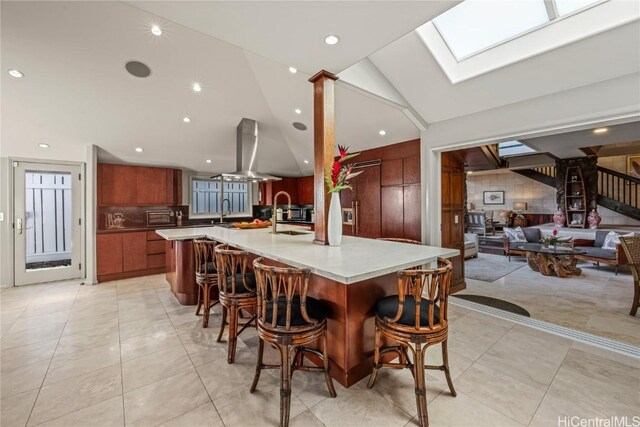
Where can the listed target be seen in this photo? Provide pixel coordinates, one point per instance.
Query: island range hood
(246, 155)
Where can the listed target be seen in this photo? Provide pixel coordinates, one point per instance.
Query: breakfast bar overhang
(349, 278)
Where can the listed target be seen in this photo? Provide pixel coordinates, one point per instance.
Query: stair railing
(546, 170)
(619, 187)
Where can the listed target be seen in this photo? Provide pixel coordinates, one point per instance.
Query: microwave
(296, 214)
(158, 218)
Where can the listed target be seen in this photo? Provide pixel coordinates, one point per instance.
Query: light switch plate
(455, 219)
(1, 216)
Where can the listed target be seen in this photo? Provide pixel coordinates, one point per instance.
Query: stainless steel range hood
(246, 155)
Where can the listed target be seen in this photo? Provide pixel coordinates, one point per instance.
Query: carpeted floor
(495, 303)
(490, 268)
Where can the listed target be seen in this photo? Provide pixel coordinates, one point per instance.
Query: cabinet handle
(356, 219)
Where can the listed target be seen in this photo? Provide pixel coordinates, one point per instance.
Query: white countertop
(355, 260)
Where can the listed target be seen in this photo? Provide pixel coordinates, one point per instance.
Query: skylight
(513, 148)
(477, 25)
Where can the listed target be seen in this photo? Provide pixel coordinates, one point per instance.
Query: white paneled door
(48, 222)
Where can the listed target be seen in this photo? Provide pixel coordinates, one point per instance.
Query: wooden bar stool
(411, 318)
(206, 277)
(289, 321)
(631, 246)
(237, 292)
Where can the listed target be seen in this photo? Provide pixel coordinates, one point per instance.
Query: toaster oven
(157, 218)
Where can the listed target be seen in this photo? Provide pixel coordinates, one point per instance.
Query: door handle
(19, 225)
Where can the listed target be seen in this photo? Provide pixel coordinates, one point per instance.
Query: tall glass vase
(334, 226)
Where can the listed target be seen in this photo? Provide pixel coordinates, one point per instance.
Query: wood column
(323, 147)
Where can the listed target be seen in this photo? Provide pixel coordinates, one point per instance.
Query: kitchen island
(349, 278)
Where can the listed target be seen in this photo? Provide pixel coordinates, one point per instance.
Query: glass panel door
(47, 223)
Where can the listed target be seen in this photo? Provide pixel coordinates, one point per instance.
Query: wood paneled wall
(453, 196)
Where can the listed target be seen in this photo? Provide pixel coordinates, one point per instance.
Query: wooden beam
(323, 147)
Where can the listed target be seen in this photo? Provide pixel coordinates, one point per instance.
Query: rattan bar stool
(415, 322)
(631, 246)
(289, 320)
(237, 292)
(206, 277)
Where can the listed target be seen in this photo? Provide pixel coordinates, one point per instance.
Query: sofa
(471, 244)
(597, 254)
(587, 240)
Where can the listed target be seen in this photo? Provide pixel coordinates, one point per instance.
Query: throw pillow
(503, 216)
(515, 235)
(532, 234)
(613, 239)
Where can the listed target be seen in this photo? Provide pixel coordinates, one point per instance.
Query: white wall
(616, 163)
(539, 197)
(6, 231)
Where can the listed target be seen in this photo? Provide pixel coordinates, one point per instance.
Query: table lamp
(519, 207)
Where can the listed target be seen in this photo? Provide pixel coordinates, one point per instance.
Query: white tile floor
(597, 301)
(126, 353)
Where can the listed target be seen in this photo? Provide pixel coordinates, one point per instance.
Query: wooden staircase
(617, 191)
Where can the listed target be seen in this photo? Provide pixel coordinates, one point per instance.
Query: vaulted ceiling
(76, 91)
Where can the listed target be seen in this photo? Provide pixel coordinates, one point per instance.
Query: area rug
(495, 303)
(490, 268)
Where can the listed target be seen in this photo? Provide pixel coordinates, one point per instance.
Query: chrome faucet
(274, 220)
(222, 214)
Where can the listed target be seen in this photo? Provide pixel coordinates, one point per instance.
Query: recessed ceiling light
(186, 119)
(139, 150)
(156, 30)
(197, 87)
(254, 180)
(265, 179)
(297, 111)
(293, 70)
(382, 132)
(331, 39)
(43, 145)
(15, 73)
(601, 130)
(306, 162)
(208, 160)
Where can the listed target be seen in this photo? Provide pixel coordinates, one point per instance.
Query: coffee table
(552, 261)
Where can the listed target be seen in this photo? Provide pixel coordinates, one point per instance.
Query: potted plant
(551, 241)
(337, 178)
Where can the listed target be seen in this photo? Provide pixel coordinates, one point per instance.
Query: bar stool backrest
(427, 287)
(631, 246)
(232, 263)
(274, 282)
(204, 253)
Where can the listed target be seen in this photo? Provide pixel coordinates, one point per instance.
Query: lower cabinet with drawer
(121, 255)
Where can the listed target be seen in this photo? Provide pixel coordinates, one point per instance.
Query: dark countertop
(188, 225)
(133, 229)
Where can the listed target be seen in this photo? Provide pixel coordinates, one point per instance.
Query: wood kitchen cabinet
(109, 253)
(124, 185)
(121, 255)
(134, 251)
(306, 190)
(151, 186)
(117, 185)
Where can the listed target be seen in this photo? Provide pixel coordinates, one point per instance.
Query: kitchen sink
(293, 232)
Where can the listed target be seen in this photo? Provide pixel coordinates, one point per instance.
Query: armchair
(478, 223)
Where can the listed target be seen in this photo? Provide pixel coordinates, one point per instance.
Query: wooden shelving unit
(575, 199)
